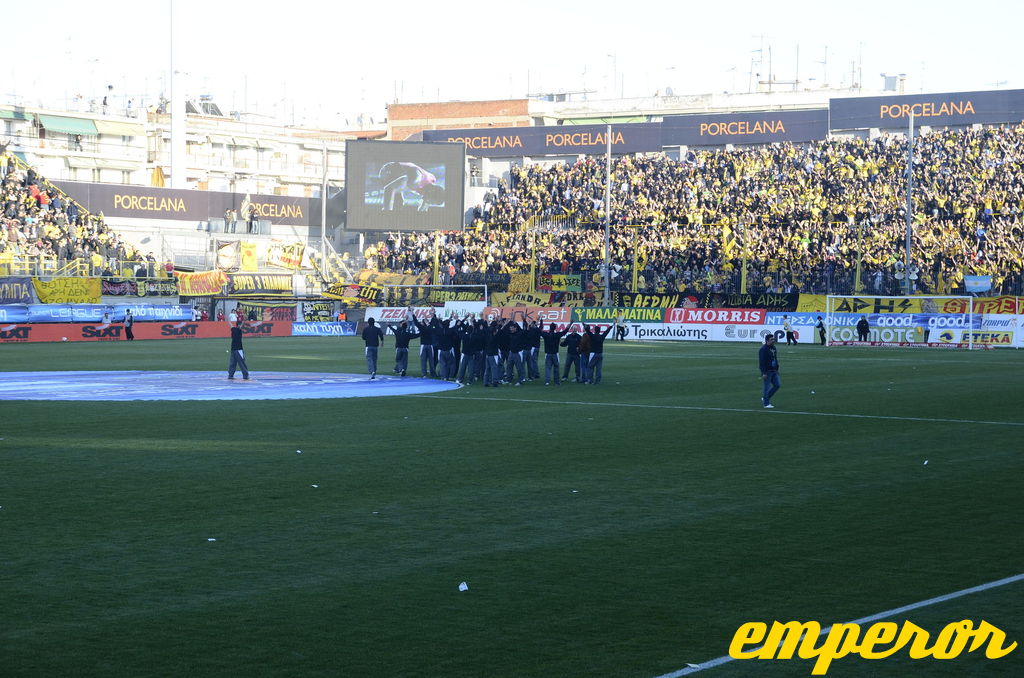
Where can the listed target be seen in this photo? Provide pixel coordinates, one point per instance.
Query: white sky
(327, 60)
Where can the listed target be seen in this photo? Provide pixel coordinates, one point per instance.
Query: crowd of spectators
(38, 223)
(801, 216)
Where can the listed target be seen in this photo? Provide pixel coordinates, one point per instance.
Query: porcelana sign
(783, 640)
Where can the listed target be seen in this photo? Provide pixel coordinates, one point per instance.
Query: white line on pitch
(773, 413)
(863, 620)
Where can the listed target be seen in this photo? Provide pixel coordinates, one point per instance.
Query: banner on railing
(247, 252)
(267, 311)
(204, 284)
(228, 255)
(129, 287)
(559, 282)
(317, 311)
(496, 282)
(67, 290)
(260, 285)
(16, 290)
(285, 255)
(781, 301)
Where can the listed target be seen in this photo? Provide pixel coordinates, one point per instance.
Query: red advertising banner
(115, 332)
(743, 316)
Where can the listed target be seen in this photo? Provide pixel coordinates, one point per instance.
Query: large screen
(404, 186)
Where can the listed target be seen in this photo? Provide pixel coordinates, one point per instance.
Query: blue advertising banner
(639, 137)
(16, 290)
(91, 313)
(811, 319)
(951, 108)
(14, 313)
(322, 329)
(744, 128)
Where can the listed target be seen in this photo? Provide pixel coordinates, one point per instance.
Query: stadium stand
(801, 216)
(42, 230)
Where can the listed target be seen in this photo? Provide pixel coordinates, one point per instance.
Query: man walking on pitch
(768, 360)
(821, 330)
(237, 359)
(129, 323)
(373, 338)
(788, 328)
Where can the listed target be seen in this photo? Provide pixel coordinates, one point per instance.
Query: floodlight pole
(607, 218)
(910, 202)
(323, 212)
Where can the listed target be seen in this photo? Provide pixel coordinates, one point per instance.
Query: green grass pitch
(626, 529)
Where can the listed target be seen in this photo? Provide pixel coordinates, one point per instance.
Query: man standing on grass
(596, 359)
(769, 363)
(863, 328)
(237, 359)
(572, 357)
(426, 329)
(821, 330)
(373, 338)
(402, 338)
(551, 339)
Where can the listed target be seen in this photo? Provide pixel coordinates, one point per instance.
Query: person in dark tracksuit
(504, 343)
(768, 361)
(551, 339)
(471, 341)
(516, 348)
(444, 340)
(427, 365)
(596, 352)
(863, 328)
(456, 348)
(373, 338)
(237, 359)
(479, 358)
(572, 356)
(533, 338)
(821, 330)
(492, 359)
(129, 323)
(402, 338)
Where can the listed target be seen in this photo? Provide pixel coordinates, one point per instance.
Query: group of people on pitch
(498, 352)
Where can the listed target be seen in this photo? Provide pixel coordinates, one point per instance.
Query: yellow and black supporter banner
(205, 284)
(67, 290)
(260, 285)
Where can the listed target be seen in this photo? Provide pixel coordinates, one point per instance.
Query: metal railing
(48, 265)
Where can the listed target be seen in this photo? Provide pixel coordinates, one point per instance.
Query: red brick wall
(404, 120)
(459, 109)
